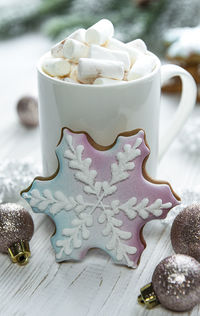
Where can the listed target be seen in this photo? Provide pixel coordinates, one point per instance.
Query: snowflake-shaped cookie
(100, 197)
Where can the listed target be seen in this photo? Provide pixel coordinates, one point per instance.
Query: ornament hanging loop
(20, 252)
(148, 297)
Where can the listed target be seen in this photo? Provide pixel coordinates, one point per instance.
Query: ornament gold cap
(20, 252)
(148, 297)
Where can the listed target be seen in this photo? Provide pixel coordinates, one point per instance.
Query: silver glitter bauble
(27, 109)
(176, 282)
(185, 232)
(16, 229)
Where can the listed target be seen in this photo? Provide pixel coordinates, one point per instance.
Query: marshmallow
(138, 44)
(56, 67)
(142, 67)
(73, 50)
(118, 45)
(57, 50)
(78, 35)
(74, 72)
(100, 32)
(99, 52)
(102, 81)
(67, 79)
(90, 69)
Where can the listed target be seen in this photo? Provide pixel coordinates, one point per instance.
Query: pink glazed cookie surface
(100, 197)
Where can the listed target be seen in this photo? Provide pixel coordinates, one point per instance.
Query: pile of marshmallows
(93, 56)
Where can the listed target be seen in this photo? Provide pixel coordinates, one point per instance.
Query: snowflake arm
(56, 202)
(75, 236)
(143, 209)
(125, 162)
(112, 228)
(83, 173)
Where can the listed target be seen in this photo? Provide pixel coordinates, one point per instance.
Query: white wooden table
(95, 286)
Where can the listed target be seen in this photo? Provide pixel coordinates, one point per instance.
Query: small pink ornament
(27, 109)
(101, 197)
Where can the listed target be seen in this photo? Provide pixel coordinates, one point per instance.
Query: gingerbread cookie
(184, 45)
(183, 50)
(100, 197)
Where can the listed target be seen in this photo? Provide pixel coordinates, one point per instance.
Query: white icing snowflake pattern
(79, 230)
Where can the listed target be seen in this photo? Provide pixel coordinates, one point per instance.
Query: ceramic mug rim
(56, 81)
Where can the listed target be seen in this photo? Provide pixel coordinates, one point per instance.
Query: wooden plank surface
(95, 286)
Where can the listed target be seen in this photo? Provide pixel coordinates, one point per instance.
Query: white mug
(104, 111)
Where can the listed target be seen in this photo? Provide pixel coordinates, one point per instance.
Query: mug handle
(187, 102)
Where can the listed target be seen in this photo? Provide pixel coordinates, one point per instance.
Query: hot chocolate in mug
(104, 111)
